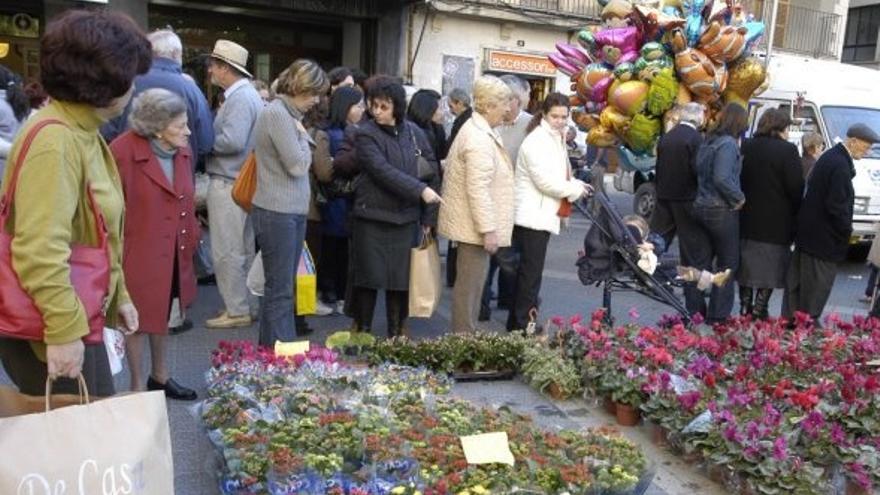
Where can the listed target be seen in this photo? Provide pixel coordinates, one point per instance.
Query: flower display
(314, 426)
(781, 406)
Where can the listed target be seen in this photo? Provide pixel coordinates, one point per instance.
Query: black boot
(364, 305)
(745, 300)
(396, 311)
(762, 302)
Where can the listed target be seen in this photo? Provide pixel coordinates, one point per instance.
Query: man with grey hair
(676, 189)
(167, 73)
(460, 106)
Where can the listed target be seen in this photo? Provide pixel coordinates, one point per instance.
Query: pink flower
(574, 320)
(634, 313)
(780, 449)
(689, 400)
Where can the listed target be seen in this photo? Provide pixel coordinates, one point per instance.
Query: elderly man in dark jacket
(825, 224)
(676, 184)
(166, 73)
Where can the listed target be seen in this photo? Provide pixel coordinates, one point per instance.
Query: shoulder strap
(412, 135)
(9, 197)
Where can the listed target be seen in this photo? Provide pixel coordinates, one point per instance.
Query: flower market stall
(308, 424)
(768, 409)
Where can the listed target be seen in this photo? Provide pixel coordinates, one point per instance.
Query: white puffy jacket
(542, 180)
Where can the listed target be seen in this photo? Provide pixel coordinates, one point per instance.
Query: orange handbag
(246, 184)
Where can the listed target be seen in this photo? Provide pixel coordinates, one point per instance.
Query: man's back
(676, 164)
(167, 74)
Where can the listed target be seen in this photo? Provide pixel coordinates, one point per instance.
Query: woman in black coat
(772, 181)
(390, 200)
(424, 111)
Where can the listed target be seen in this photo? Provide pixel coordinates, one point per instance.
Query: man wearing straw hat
(232, 237)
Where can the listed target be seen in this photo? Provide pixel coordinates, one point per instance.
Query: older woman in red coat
(161, 232)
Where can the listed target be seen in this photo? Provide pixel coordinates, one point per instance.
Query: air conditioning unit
(20, 25)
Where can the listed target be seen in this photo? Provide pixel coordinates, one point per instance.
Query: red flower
(709, 380)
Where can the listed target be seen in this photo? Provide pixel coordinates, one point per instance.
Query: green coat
(51, 212)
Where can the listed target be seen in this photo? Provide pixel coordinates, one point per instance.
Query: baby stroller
(611, 259)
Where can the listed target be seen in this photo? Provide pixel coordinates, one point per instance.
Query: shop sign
(519, 63)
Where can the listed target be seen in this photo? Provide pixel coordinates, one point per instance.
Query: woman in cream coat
(477, 212)
(543, 182)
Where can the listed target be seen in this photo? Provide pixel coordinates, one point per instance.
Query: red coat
(160, 225)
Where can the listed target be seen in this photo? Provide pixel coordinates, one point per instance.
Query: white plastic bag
(114, 342)
(256, 279)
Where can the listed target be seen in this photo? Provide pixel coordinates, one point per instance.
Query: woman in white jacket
(544, 192)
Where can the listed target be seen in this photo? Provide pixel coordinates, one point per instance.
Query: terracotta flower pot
(853, 488)
(627, 415)
(555, 391)
(610, 406)
(716, 473)
(659, 435)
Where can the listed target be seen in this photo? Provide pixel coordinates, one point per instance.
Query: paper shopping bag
(306, 284)
(424, 279)
(115, 445)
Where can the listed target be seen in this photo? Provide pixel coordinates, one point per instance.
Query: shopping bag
(256, 278)
(115, 445)
(245, 185)
(306, 284)
(424, 278)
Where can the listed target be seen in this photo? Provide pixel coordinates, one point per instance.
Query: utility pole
(774, 11)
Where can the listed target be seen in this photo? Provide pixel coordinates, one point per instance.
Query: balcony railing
(582, 9)
(802, 30)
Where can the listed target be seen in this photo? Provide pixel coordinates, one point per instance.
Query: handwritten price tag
(291, 348)
(487, 448)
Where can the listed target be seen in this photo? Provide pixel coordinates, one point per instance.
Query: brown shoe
(227, 321)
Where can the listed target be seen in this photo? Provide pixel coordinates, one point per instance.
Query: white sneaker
(322, 309)
(340, 307)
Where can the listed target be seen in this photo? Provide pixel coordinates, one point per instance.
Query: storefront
(275, 32)
(535, 68)
(453, 50)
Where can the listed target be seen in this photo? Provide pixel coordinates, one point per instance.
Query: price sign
(487, 448)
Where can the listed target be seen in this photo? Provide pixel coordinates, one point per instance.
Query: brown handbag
(245, 185)
(89, 269)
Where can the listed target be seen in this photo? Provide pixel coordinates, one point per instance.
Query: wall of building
(447, 34)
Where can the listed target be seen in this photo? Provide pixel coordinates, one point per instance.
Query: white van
(822, 96)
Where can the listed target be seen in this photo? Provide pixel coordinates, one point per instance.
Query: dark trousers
(722, 225)
(503, 262)
(808, 285)
(532, 248)
(281, 237)
(29, 374)
(451, 257)
(333, 267)
(872, 281)
(677, 217)
(396, 309)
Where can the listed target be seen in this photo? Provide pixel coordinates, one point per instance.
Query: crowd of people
(351, 168)
(741, 204)
(348, 166)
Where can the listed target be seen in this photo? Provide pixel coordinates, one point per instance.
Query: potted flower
(549, 372)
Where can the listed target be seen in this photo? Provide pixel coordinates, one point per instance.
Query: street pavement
(562, 294)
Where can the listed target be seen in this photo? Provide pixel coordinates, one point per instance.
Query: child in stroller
(654, 259)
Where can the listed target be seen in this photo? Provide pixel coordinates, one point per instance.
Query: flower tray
(489, 375)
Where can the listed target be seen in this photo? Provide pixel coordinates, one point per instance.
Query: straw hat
(233, 54)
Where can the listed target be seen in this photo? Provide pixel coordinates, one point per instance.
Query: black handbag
(424, 170)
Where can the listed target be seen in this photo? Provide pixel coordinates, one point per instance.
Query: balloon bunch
(628, 73)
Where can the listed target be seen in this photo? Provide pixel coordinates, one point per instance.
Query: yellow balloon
(602, 137)
(744, 78)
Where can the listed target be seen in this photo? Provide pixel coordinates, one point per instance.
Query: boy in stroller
(654, 260)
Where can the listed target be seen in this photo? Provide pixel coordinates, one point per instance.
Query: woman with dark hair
(88, 60)
(424, 111)
(543, 195)
(346, 109)
(340, 77)
(389, 201)
(772, 180)
(719, 199)
(14, 109)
